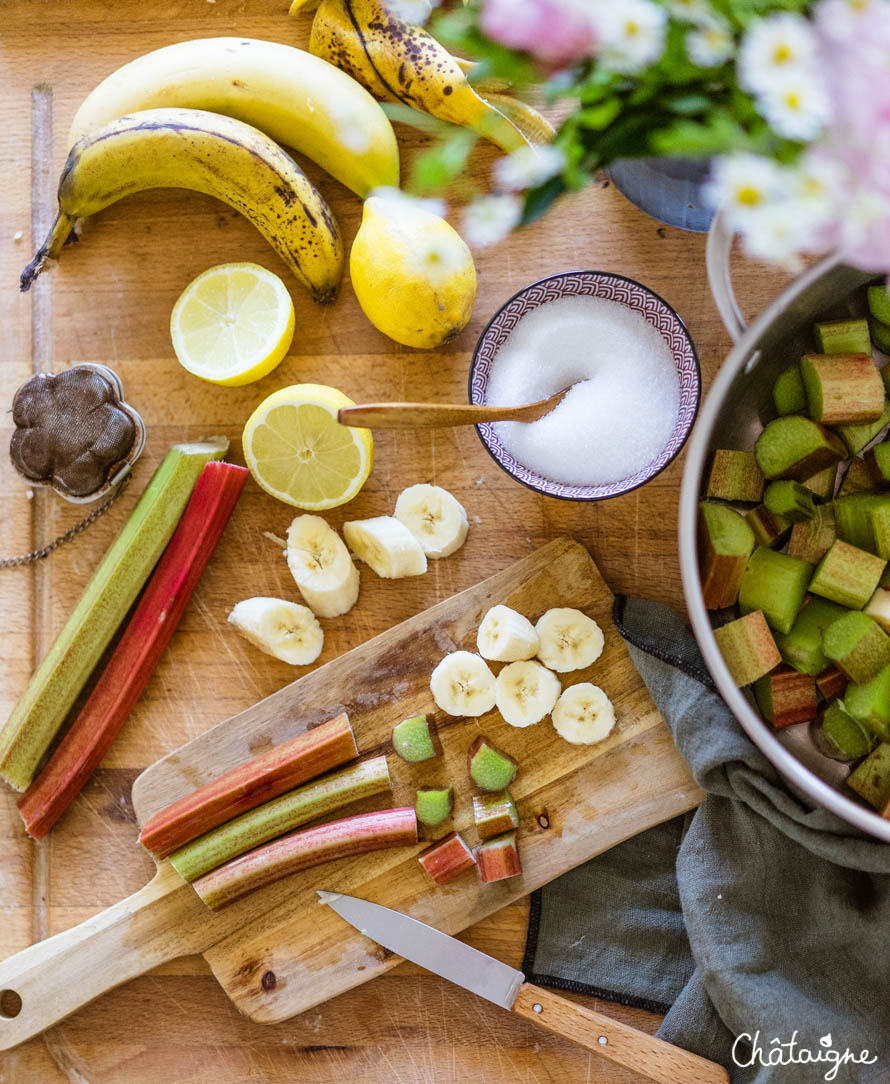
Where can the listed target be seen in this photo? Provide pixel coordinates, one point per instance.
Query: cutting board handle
(45, 982)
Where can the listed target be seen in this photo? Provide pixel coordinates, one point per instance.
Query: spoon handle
(432, 415)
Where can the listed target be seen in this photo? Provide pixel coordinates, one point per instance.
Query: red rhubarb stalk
(447, 859)
(137, 654)
(250, 784)
(303, 850)
(498, 858)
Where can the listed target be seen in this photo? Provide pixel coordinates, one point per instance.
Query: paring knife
(652, 1058)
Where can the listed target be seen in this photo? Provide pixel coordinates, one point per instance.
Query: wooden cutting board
(277, 952)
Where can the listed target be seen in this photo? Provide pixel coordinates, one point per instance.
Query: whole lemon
(412, 272)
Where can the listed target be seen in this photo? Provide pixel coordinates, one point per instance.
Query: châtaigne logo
(789, 1052)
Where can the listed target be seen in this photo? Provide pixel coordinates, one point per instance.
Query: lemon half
(298, 451)
(233, 324)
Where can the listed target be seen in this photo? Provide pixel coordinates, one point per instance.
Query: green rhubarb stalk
(303, 850)
(139, 650)
(283, 814)
(305, 757)
(40, 713)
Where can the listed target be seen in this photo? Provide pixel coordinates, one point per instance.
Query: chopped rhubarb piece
(788, 392)
(847, 575)
(776, 584)
(769, 530)
(489, 768)
(858, 645)
(447, 859)
(498, 858)
(831, 683)
(494, 814)
(797, 448)
(786, 696)
(433, 805)
(412, 740)
(857, 437)
(869, 704)
(302, 758)
(282, 814)
(843, 336)
(811, 539)
(137, 654)
(821, 485)
(871, 778)
(725, 542)
(839, 736)
(877, 460)
(802, 647)
(302, 850)
(857, 479)
(748, 648)
(789, 500)
(734, 476)
(37, 718)
(842, 389)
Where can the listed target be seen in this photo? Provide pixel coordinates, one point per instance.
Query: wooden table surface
(109, 300)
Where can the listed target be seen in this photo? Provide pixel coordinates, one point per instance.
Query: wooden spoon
(439, 415)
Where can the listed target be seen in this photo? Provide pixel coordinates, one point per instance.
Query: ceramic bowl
(611, 287)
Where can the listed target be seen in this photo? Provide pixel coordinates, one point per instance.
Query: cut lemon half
(233, 324)
(298, 451)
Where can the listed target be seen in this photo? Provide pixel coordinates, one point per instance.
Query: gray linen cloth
(758, 915)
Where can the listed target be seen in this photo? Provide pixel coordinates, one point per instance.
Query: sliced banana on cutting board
(285, 630)
(525, 692)
(435, 517)
(506, 636)
(569, 640)
(320, 563)
(463, 685)
(386, 545)
(583, 714)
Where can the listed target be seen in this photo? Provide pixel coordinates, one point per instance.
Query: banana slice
(320, 563)
(526, 692)
(463, 685)
(506, 636)
(436, 519)
(583, 714)
(285, 630)
(569, 640)
(386, 544)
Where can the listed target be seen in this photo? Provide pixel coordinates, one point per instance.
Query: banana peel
(398, 62)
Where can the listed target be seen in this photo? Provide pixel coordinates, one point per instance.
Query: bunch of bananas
(209, 115)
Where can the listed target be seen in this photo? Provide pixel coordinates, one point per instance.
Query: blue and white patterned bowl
(612, 288)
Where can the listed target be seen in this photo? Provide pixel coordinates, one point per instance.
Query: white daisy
(631, 34)
(528, 167)
(796, 105)
(772, 46)
(691, 11)
(819, 183)
(489, 219)
(710, 44)
(742, 184)
(431, 206)
(776, 233)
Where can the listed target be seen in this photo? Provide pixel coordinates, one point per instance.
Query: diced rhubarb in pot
(843, 336)
(498, 858)
(725, 542)
(734, 476)
(447, 860)
(775, 584)
(789, 395)
(785, 697)
(769, 530)
(857, 645)
(811, 539)
(869, 704)
(839, 736)
(871, 778)
(831, 683)
(802, 647)
(847, 575)
(797, 448)
(748, 648)
(789, 500)
(821, 485)
(842, 389)
(857, 479)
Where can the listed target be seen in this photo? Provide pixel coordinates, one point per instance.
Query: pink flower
(556, 32)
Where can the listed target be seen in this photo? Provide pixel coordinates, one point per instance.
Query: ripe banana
(583, 714)
(320, 563)
(398, 62)
(387, 546)
(205, 152)
(296, 98)
(463, 685)
(285, 630)
(569, 640)
(506, 636)
(526, 692)
(436, 519)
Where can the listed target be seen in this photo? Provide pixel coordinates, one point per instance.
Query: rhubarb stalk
(126, 566)
(498, 858)
(447, 859)
(273, 819)
(303, 850)
(250, 784)
(137, 654)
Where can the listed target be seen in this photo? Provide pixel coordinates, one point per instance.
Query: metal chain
(72, 532)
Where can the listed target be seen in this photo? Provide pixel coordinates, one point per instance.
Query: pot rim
(754, 726)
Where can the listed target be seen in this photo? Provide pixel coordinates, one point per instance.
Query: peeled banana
(387, 546)
(463, 685)
(205, 152)
(285, 630)
(320, 563)
(435, 517)
(506, 636)
(583, 714)
(526, 692)
(568, 639)
(296, 98)
(398, 62)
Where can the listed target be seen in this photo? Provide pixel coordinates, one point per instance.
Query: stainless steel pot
(733, 414)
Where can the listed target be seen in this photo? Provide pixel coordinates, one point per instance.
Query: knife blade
(465, 966)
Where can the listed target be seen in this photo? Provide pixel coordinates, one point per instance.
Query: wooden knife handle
(652, 1058)
(45, 982)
